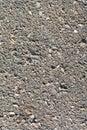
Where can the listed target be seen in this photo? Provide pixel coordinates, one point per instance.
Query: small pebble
(30, 12)
(18, 121)
(32, 116)
(29, 59)
(12, 42)
(61, 19)
(50, 50)
(5, 115)
(75, 2)
(67, 26)
(54, 118)
(28, 112)
(40, 13)
(53, 67)
(49, 55)
(47, 18)
(54, 48)
(84, 40)
(15, 105)
(29, 35)
(38, 5)
(22, 91)
(23, 121)
(60, 55)
(55, 129)
(1, 43)
(80, 25)
(12, 36)
(62, 70)
(11, 114)
(82, 44)
(75, 32)
(84, 2)
(17, 95)
(36, 125)
(20, 62)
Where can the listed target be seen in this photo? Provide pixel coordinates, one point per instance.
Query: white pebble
(1, 43)
(40, 13)
(38, 5)
(75, 32)
(82, 44)
(11, 113)
(50, 50)
(47, 18)
(32, 116)
(30, 12)
(15, 105)
(17, 95)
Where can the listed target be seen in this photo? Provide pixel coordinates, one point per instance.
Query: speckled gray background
(43, 64)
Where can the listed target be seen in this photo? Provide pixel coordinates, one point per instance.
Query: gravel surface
(43, 64)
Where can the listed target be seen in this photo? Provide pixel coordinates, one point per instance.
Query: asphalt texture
(43, 64)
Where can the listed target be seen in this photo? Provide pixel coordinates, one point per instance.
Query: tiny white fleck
(40, 13)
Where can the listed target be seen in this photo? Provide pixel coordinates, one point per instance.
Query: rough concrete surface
(43, 64)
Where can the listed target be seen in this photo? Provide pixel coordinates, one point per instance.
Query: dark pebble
(53, 67)
(29, 59)
(32, 52)
(63, 86)
(20, 63)
(84, 40)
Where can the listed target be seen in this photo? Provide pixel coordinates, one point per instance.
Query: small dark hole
(63, 8)
(44, 83)
(84, 76)
(6, 76)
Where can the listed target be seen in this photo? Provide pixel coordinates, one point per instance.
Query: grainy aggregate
(43, 64)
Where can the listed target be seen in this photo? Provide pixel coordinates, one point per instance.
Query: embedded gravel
(43, 65)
